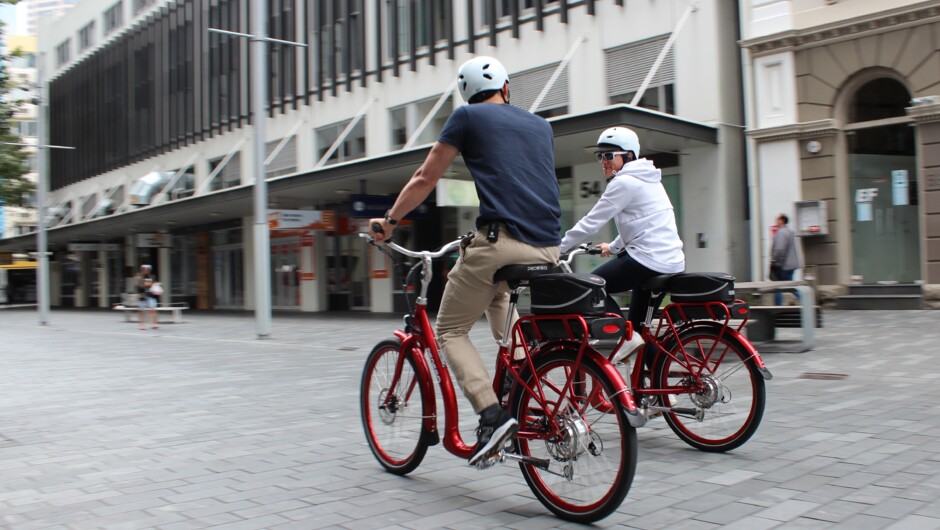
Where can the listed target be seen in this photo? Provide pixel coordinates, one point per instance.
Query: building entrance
(883, 185)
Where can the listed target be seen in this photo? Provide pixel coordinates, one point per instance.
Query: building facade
(843, 126)
(157, 108)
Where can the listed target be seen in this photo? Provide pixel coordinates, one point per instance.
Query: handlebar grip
(377, 228)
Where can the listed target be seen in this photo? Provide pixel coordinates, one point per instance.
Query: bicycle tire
(592, 454)
(731, 398)
(398, 437)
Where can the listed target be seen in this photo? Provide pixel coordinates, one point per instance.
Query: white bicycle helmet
(622, 137)
(480, 74)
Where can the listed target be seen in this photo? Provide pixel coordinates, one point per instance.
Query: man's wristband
(389, 220)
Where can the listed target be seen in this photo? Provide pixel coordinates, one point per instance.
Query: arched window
(879, 99)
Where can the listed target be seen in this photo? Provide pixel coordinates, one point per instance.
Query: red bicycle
(576, 444)
(696, 368)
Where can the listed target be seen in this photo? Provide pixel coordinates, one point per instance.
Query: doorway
(882, 163)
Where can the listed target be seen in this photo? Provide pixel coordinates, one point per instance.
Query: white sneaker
(628, 348)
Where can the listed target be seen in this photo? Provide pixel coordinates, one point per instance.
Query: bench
(766, 319)
(175, 310)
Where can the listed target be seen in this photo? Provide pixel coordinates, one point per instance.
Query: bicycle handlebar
(586, 248)
(412, 253)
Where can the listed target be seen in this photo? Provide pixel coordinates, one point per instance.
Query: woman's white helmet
(622, 137)
(480, 74)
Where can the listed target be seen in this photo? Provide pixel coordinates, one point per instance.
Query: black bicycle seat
(521, 272)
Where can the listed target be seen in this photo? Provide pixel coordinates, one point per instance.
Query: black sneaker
(496, 428)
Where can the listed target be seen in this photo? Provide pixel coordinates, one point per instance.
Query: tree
(14, 187)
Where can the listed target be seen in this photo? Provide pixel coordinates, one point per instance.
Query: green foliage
(14, 188)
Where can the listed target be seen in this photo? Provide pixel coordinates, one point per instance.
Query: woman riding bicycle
(648, 242)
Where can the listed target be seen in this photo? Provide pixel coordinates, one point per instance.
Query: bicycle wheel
(393, 409)
(591, 452)
(725, 401)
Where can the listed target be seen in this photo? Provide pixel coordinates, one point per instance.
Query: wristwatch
(389, 220)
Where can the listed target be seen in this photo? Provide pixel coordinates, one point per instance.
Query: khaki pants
(471, 293)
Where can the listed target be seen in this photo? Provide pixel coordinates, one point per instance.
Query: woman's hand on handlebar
(605, 249)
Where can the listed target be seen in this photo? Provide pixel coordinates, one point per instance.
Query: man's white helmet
(480, 74)
(624, 138)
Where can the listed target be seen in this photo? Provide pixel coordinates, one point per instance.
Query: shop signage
(301, 220)
(91, 247)
(154, 240)
(372, 206)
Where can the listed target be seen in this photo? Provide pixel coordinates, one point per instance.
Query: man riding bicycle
(510, 154)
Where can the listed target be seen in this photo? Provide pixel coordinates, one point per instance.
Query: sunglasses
(609, 155)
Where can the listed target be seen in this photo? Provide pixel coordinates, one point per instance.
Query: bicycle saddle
(523, 272)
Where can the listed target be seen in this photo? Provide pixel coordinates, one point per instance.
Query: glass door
(229, 278)
(883, 187)
(285, 272)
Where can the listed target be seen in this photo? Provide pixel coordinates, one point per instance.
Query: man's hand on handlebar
(380, 230)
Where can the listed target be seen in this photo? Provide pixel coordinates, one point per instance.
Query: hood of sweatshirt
(642, 169)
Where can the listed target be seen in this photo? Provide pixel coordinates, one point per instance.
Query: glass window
(352, 147)
(113, 17)
(62, 52)
(86, 36)
(879, 99)
(407, 118)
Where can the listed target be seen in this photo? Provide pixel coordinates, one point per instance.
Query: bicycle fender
(411, 343)
(746, 344)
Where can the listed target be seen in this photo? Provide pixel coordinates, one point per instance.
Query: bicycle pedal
(488, 462)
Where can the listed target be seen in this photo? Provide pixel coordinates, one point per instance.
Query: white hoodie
(646, 224)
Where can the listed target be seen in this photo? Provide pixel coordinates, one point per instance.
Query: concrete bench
(766, 319)
(175, 310)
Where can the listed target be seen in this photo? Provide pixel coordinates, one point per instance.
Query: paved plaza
(199, 425)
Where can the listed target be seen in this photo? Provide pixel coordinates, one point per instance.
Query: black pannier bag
(701, 287)
(564, 293)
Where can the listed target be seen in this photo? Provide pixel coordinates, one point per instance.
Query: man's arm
(418, 188)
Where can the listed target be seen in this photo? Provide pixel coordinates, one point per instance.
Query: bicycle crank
(502, 456)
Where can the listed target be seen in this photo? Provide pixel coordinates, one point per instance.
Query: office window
(228, 176)
(415, 21)
(406, 119)
(628, 66)
(86, 36)
(140, 5)
(352, 147)
(525, 88)
(113, 18)
(285, 162)
(27, 128)
(62, 52)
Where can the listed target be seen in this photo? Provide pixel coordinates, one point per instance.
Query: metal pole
(259, 69)
(42, 278)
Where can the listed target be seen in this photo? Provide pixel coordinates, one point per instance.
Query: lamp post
(259, 94)
(42, 274)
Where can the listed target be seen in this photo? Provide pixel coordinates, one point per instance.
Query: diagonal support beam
(693, 6)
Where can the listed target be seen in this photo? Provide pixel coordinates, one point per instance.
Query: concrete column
(104, 286)
(166, 271)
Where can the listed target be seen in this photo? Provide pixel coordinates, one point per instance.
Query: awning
(20, 266)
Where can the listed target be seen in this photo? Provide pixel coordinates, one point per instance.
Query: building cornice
(925, 113)
(843, 30)
(795, 131)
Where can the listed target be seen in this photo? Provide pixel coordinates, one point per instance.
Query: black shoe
(496, 428)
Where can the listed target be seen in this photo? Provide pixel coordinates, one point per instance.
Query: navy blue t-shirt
(510, 154)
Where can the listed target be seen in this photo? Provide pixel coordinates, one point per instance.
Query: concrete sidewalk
(200, 424)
